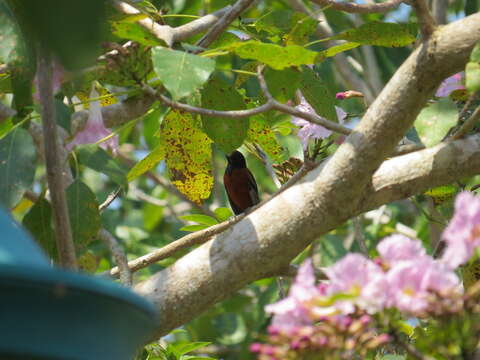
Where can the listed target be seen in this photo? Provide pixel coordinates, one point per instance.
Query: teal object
(47, 313)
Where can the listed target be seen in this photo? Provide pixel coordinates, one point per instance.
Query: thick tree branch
(54, 165)
(425, 18)
(270, 237)
(359, 8)
(168, 34)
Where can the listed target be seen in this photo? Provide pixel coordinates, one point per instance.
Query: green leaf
(99, 160)
(17, 166)
(133, 31)
(223, 213)
(200, 218)
(260, 132)
(275, 22)
(193, 228)
(227, 133)
(181, 73)
(304, 26)
(435, 120)
(38, 221)
(317, 94)
(188, 155)
(334, 50)
(63, 114)
(83, 212)
(380, 34)
(332, 249)
(282, 84)
(188, 347)
(147, 163)
(472, 77)
(475, 55)
(275, 56)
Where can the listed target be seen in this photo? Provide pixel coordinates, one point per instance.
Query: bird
(240, 185)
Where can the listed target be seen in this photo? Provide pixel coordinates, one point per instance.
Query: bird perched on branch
(241, 187)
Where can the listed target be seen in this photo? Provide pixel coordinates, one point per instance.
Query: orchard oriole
(241, 187)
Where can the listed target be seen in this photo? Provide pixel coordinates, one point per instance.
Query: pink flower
(358, 276)
(293, 311)
(411, 284)
(451, 84)
(312, 131)
(398, 247)
(462, 234)
(94, 129)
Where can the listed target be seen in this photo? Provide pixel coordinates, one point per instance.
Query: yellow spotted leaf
(259, 132)
(188, 155)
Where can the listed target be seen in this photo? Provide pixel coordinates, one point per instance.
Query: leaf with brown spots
(188, 155)
(260, 133)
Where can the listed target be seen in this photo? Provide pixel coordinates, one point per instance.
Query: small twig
(147, 198)
(217, 29)
(56, 183)
(112, 196)
(467, 125)
(406, 149)
(119, 255)
(359, 8)
(196, 238)
(425, 18)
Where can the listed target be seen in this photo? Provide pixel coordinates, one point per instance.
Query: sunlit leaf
(193, 228)
(147, 163)
(380, 34)
(223, 213)
(435, 120)
(472, 70)
(88, 262)
(83, 212)
(181, 73)
(200, 218)
(303, 27)
(188, 155)
(275, 56)
(334, 50)
(260, 132)
(17, 166)
(227, 133)
(135, 32)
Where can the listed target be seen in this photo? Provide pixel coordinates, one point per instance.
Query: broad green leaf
(332, 249)
(334, 50)
(83, 212)
(435, 120)
(227, 133)
(188, 347)
(260, 132)
(275, 56)
(38, 221)
(17, 166)
(223, 213)
(63, 114)
(181, 73)
(250, 67)
(200, 218)
(472, 70)
(442, 193)
(135, 32)
(275, 22)
(303, 27)
(152, 213)
(188, 155)
(282, 84)
(193, 228)
(147, 163)
(475, 55)
(380, 34)
(99, 160)
(317, 94)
